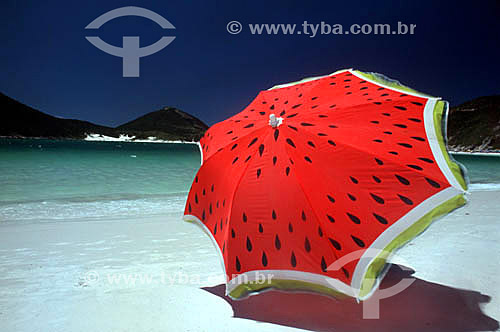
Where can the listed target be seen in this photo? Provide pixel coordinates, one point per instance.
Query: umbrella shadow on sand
(424, 306)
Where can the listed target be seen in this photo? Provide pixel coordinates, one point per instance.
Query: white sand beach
(162, 274)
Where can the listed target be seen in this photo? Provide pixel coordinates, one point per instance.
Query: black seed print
(248, 158)
(330, 198)
(379, 89)
(249, 244)
(249, 125)
(387, 132)
(335, 244)
(295, 106)
(414, 120)
(224, 202)
(359, 242)
(403, 95)
(238, 265)
(221, 224)
(292, 115)
(314, 98)
(353, 218)
(275, 159)
(377, 140)
(311, 144)
(272, 107)
(420, 139)
(376, 179)
(386, 114)
(210, 208)
(380, 162)
(293, 260)
(307, 245)
(354, 180)
(402, 180)
(233, 234)
(322, 116)
(277, 242)
(290, 142)
(264, 102)
(320, 231)
(433, 183)
(364, 88)
(322, 134)
(308, 159)
(375, 122)
(212, 188)
(303, 216)
(346, 273)
(313, 107)
(332, 106)
(331, 142)
(400, 108)
(377, 103)
(217, 204)
(384, 94)
(234, 147)
(293, 128)
(224, 247)
(189, 207)
(418, 168)
(203, 192)
(261, 229)
(261, 149)
(215, 229)
(262, 113)
(394, 153)
(361, 82)
(244, 217)
(252, 142)
(196, 179)
(300, 95)
(323, 264)
(380, 219)
(377, 199)
(264, 258)
(196, 198)
(276, 134)
(203, 215)
(348, 93)
(427, 160)
(351, 197)
(287, 171)
(405, 200)
(347, 80)
(273, 215)
(291, 161)
(229, 132)
(406, 145)
(305, 124)
(332, 126)
(235, 160)
(416, 103)
(282, 113)
(400, 125)
(290, 227)
(258, 173)
(330, 218)
(333, 83)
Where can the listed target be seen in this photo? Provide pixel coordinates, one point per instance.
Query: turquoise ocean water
(70, 180)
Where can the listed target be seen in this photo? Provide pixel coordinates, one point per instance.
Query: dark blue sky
(47, 63)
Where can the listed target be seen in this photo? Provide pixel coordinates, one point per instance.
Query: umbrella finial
(274, 121)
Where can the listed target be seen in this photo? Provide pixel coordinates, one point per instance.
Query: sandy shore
(161, 274)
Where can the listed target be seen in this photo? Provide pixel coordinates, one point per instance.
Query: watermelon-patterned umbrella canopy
(313, 171)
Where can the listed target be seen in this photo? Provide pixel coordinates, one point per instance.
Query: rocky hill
(19, 120)
(475, 125)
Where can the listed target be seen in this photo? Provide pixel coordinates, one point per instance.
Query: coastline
(103, 138)
(162, 269)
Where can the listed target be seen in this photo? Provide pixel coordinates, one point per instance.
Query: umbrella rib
(226, 235)
(377, 156)
(307, 197)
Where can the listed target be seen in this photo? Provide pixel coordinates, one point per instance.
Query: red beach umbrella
(342, 168)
